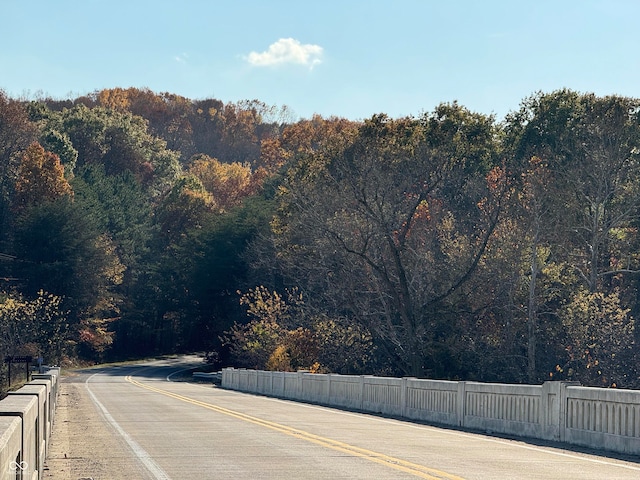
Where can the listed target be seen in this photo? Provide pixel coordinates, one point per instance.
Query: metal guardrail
(214, 377)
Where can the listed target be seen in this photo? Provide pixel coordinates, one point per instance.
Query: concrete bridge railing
(26, 418)
(606, 419)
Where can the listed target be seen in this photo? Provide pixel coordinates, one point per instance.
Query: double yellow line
(391, 462)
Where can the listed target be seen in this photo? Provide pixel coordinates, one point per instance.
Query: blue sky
(350, 58)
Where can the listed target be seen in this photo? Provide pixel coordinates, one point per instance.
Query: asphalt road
(141, 421)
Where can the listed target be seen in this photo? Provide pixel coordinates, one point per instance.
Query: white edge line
(142, 455)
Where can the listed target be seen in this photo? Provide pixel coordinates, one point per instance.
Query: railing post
(300, 386)
(460, 403)
(271, 391)
(563, 408)
(550, 414)
(553, 416)
(403, 397)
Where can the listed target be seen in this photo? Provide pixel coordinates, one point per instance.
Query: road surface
(141, 422)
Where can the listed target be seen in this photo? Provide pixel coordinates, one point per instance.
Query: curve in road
(134, 422)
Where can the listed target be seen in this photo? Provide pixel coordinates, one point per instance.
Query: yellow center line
(391, 462)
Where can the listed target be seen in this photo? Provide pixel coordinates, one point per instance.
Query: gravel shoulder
(83, 445)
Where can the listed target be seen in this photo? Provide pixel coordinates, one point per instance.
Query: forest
(447, 245)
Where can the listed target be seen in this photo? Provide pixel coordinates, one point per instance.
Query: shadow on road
(162, 369)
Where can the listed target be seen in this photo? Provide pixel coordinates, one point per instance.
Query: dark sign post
(17, 359)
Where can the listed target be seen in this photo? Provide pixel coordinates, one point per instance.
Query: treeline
(447, 245)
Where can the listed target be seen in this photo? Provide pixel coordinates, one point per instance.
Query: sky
(346, 58)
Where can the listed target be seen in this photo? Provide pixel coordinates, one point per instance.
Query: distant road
(138, 422)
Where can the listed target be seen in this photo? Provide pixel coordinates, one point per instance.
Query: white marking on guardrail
(144, 457)
(178, 371)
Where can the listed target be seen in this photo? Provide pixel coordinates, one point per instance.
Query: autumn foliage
(447, 245)
(40, 178)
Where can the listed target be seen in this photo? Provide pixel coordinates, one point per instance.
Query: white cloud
(287, 50)
(182, 58)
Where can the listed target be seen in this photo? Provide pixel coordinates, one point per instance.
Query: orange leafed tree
(303, 137)
(228, 183)
(40, 178)
(115, 98)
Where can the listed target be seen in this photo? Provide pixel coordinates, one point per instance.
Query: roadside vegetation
(448, 245)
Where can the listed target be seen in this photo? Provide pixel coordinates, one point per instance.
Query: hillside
(448, 245)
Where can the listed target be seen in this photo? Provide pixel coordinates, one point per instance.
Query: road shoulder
(83, 444)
